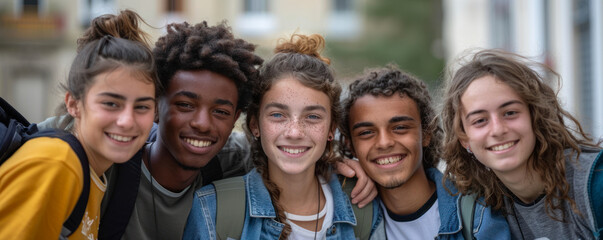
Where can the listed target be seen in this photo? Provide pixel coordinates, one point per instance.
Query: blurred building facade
(38, 37)
(564, 34)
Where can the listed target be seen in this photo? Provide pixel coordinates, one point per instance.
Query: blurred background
(38, 38)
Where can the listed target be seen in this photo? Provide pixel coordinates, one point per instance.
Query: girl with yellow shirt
(110, 95)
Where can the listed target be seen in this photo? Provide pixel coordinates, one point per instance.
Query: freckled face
(293, 124)
(387, 138)
(498, 125)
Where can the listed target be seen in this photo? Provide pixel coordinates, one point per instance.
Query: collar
(260, 204)
(450, 221)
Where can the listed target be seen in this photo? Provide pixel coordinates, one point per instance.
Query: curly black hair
(388, 81)
(214, 48)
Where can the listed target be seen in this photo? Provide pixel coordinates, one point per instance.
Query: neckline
(307, 218)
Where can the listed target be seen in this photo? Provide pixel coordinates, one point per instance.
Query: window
(344, 22)
(255, 6)
(256, 19)
(342, 5)
(501, 31)
(584, 64)
(94, 8)
(30, 6)
(174, 6)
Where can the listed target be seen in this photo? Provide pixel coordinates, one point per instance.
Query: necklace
(319, 214)
(318, 210)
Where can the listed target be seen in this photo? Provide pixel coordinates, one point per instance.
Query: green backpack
(467, 212)
(230, 207)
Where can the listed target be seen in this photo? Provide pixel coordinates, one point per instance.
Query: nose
(126, 118)
(202, 121)
(384, 141)
(295, 129)
(499, 127)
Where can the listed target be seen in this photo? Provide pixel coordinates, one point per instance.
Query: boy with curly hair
(390, 126)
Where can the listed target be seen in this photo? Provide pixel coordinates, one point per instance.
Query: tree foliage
(404, 32)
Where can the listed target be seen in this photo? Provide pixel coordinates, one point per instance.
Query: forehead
(290, 91)
(122, 79)
(204, 83)
(380, 109)
(486, 92)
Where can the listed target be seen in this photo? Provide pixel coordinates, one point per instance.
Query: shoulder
(237, 141)
(45, 152)
(206, 191)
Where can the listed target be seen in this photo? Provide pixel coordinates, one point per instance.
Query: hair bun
(309, 45)
(125, 25)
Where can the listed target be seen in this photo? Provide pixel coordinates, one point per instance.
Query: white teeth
(294, 150)
(388, 160)
(197, 143)
(503, 146)
(120, 138)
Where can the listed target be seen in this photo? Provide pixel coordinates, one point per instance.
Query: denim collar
(447, 204)
(260, 204)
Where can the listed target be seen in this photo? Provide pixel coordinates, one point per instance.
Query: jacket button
(333, 230)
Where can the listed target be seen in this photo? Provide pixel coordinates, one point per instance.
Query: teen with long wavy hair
(291, 194)
(509, 140)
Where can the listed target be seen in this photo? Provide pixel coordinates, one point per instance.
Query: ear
(331, 135)
(254, 127)
(72, 105)
(465, 144)
(237, 115)
(349, 146)
(426, 139)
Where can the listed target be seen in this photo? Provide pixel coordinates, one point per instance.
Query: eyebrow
(187, 94)
(394, 119)
(285, 107)
(501, 106)
(276, 105)
(362, 124)
(223, 102)
(121, 97)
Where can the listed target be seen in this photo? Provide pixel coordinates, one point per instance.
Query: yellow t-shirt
(39, 187)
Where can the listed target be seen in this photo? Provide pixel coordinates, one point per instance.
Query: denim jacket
(486, 223)
(260, 215)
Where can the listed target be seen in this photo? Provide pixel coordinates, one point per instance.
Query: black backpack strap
(74, 220)
(7, 111)
(230, 207)
(364, 216)
(467, 211)
(121, 204)
(212, 171)
(13, 128)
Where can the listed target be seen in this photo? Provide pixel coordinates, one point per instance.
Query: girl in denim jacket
(291, 194)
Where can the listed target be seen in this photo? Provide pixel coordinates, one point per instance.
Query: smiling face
(498, 125)
(387, 138)
(293, 124)
(196, 116)
(114, 118)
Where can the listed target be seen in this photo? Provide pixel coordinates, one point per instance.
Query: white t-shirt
(422, 224)
(299, 233)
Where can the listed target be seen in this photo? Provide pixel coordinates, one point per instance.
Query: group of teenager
(503, 135)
